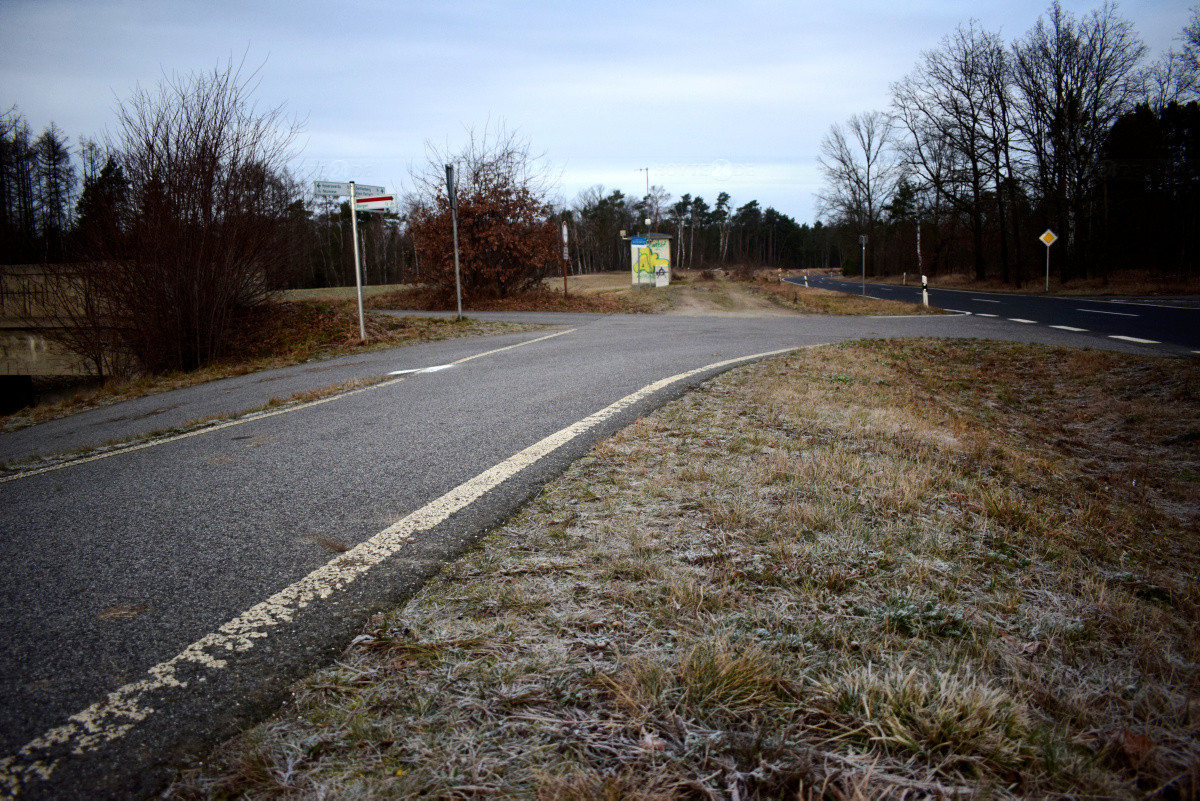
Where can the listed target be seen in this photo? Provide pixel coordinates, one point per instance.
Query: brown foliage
(506, 241)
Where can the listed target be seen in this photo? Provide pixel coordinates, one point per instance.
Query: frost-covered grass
(881, 569)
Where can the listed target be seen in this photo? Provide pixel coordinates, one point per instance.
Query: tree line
(703, 236)
(988, 143)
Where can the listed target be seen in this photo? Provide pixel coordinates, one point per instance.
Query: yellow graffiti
(648, 262)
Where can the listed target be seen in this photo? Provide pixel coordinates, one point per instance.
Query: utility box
(650, 258)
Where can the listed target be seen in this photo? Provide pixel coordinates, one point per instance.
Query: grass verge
(544, 298)
(810, 300)
(280, 335)
(880, 569)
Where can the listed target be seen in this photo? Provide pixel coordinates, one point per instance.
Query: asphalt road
(157, 600)
(1171, 325)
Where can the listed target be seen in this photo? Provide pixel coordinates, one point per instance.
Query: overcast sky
(711, 96)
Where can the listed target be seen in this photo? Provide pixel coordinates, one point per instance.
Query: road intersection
(160, 598)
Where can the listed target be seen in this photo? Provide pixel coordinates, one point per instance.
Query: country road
(156, 600)
(1171, 325)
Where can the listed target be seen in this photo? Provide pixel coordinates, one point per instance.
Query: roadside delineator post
(924, 291)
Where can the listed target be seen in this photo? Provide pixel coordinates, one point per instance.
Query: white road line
(121, 710)
(981, 314)
(985, 300)
(253, 416)
(433, 369)
(1115, 314)
(959, 311)
(1135, 339)
(1068, 328)
(1019, 320)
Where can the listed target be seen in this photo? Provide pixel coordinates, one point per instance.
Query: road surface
(158, 599)
(1170, 325)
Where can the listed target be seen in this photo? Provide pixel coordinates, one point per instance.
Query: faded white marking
(983, 314)
(121, 710)
(250, 418)
(1069, 328)
(1115, 314)
(433, 369)
(1135, 339)
(985, 300)
(1019, 320)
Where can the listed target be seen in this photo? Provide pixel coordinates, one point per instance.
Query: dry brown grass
(810, 300)
(546, 298)
(279, 335)
(913, 569)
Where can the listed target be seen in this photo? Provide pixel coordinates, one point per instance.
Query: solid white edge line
(121, 710)
(1135, 339)
(1069, 328)
(253, 416)
(959, 311)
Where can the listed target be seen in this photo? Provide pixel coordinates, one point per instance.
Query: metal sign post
(1048, 239)
(362, 322)
(371, 193)
(566, 258)
(454, 223)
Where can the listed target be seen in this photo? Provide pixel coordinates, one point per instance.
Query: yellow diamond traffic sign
(1048, 238)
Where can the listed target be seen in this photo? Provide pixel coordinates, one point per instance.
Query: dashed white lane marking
(1019, 320)
(1115, 314)
(959, 311)
(985, 300)
(1135, 339)
(120, 712)
(250, 418)
(1069, 328)
(433, 369)
(982, 314)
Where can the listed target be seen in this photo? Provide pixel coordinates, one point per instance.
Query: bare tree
(1075, 77)
(55, 181)
(861, 169)
(205, 220)
(1170, 79)
(955, 109)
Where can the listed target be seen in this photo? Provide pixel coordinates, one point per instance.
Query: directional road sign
(342, 189)
(375, 202)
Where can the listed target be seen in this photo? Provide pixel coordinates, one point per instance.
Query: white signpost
(1048, 239)
(373, 198)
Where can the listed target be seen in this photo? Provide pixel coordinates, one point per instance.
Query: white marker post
(924, 291)
(454, 224)
(862, 240)
(362, 322)
(566, 258)
(1048, 239)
